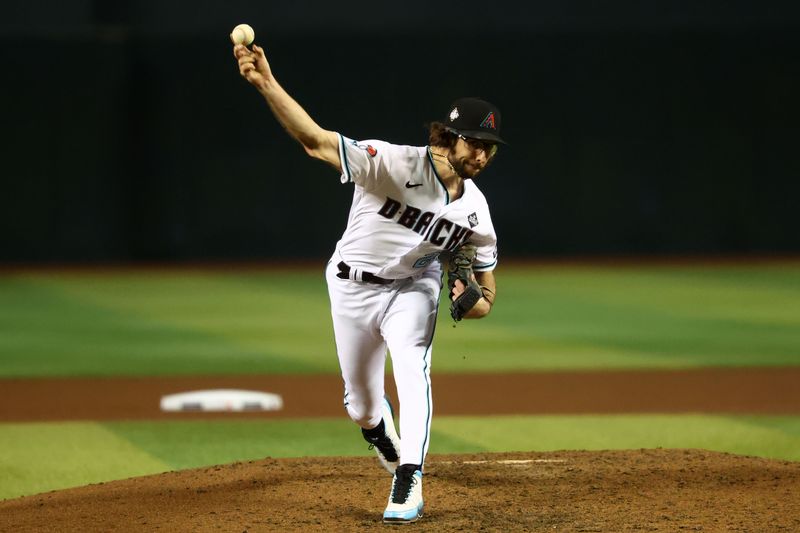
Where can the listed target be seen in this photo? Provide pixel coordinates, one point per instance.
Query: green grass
(775, 437)
(188, 444)
(547, 317)
(164, 323)
(39, 457)
(152, 322)
(646, 317)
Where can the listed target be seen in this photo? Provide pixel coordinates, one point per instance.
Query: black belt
(345, 272)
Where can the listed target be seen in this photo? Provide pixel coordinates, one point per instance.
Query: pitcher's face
(470, 156)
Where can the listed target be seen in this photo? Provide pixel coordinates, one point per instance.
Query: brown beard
(460, 169)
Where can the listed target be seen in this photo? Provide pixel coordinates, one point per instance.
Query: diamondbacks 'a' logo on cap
(473, 220)
(488, 122)
(454, 114)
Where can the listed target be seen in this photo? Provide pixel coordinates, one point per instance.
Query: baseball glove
(460, 268)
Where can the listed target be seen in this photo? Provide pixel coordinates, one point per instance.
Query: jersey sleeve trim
(485, 267)
(347, 175)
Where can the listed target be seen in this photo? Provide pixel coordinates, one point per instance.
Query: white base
(222, 400)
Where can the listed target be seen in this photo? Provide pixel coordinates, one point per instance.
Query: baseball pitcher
(415, 211)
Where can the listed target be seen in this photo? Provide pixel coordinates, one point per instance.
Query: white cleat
(405, 501)
(387, 447)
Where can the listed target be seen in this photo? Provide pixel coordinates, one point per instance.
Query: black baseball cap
(474, 118)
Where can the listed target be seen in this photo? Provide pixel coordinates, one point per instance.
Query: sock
(377, 431)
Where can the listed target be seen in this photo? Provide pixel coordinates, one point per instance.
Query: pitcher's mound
(646, 490)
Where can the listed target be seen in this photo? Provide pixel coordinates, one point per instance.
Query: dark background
(636, 128)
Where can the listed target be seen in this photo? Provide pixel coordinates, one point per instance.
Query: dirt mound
(646, 490)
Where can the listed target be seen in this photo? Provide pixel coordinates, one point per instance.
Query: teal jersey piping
(343, 157)
(446, 194)
(428, 379)
(486, 266)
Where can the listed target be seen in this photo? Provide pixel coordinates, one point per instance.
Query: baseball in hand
(243, 34)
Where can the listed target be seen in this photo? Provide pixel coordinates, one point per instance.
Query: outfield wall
(636, 130)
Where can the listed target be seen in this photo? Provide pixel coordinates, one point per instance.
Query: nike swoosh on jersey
(410, 185)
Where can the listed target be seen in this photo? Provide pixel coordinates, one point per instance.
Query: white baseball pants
(368, 319)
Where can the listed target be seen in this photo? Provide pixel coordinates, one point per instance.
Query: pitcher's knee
(363, 416)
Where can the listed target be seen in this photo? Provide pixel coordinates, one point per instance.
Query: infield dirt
(713, 390)
(607, 491)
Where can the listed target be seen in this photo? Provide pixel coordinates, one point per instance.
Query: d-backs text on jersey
(419, 221)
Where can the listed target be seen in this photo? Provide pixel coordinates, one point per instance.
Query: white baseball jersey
(402, 217)
(400, 221)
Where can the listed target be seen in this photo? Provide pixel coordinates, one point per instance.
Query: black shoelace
(384, 444)
(403, 481)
